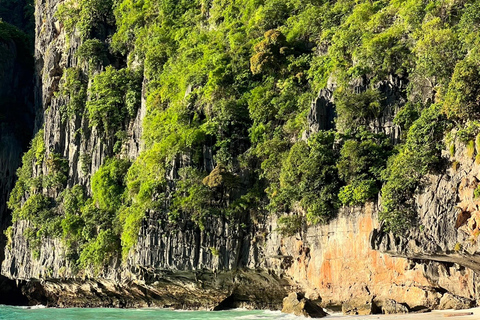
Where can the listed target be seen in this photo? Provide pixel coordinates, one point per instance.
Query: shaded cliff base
(179, 290)
(11, 293)
(251, 289)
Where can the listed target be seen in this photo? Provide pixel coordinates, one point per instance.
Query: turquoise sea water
(41, 313)
(36, 313)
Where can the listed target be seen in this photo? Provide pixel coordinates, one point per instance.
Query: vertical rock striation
(16, 112)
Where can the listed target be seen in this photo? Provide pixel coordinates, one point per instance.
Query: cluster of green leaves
(89, 17)
(91, 229)
(108, 184)
(94, 52)
(73, 86)
(309, 177)
(289, 225)
(363, 157)
(27, 200)
(420, 155)
(114, 98)
(25, 184)
(357, 109)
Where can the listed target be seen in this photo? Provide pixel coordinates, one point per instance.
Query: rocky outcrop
(450, 301)
(166, 289)
(358, 306)
(72, 138)
(220, 246)
(19, 262)
(322, 113)
(447, 228)
(393, 307)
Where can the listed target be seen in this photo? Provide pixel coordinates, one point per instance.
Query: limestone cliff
(350, 263)
(16, 120)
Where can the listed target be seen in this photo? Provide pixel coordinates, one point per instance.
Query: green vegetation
(114, 98)
(421, 154)
(289, 225)
(308, 177)
(73, 86)
(476, 192)
(363, 157)
(357, 109)
(26, 183)
(89, 17)
(227, 87)
(108, 184)
(94, 52)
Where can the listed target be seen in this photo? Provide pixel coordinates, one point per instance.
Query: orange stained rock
(326, 273)
(340, 263)
(366, 224)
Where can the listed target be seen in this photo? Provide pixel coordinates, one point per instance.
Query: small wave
(38, 306)
(280, 314)
(12, 307)
(23, 307)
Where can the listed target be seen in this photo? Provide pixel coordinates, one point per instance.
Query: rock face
(447, 223)
(16, 116)
(450, 301)
(73, 139)
(336, 262)
(358, 306)
(179, 290)
(351, 263)
(188, 248)
(392, 307)
(321, 115)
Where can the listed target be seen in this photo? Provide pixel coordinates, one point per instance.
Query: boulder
(391, 307)
(449, 301)
(358, 306)
(300, 306)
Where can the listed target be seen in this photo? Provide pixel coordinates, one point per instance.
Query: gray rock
(392, 307)
(16, 121)
(322, 113)
(449, 301)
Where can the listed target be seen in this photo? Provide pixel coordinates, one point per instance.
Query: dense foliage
(235, 79)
